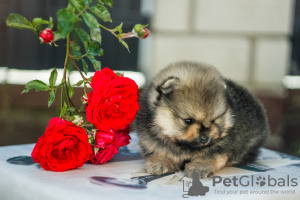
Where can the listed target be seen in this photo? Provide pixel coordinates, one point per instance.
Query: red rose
(47, 35)
(63, 146)
(109, 143)
(114, 101)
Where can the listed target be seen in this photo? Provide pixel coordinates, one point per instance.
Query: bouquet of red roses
(96, 130)
(111, 107)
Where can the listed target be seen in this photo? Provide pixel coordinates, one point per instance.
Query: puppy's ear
(169, 85)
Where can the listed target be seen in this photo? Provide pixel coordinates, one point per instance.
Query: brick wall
(247, 40)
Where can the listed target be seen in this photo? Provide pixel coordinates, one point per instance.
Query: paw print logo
(195, 187)
(261, 181)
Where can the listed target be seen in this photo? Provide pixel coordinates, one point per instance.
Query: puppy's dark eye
(189, 121)
(212, 121)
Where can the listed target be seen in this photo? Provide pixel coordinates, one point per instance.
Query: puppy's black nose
(203, 139)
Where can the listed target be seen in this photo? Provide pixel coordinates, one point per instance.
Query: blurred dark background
(20, 49)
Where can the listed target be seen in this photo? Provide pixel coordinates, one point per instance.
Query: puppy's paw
(204, 171)
(158, 167)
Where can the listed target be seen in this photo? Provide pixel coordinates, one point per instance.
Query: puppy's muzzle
(204, 139)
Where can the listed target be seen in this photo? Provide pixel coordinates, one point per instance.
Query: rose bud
(84, 99)
(137, 28)
(46, 36)
(141, 31)
(120, 74)
(104, 138)
(107, 144)
(77, 120)
(144, 33)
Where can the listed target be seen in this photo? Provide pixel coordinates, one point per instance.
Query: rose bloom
(47, 35)
(63, 146)
(109, 143)
(114, 101)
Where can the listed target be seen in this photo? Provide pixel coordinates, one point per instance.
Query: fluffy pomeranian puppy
(194, 119)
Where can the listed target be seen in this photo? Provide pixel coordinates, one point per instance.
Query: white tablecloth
(30, 182)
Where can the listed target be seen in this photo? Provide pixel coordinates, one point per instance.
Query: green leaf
(53, 78)
(86, 45)
(100, 2)
(82, 108)
(94, 48)
(96, 64)
(75, 53)
(90, 20)
(101, 12)
(79, 83)
(125, 45)
(75, 46)
(50, 23)
(77, 4)
(39, 21)
(71, 89)
(71, 109)
(41, 40)
(107, 2)
(65, 22)
(37, 85)
(96, 34)
(118, 28)
(70, 7)
(57, 36)
(61, 84)
(96, 149)
(75, 50)
(64, 109)
(51, 98)
(82, 34)
(101, 53)
(18, 21)
(85, 67)
(76, 19)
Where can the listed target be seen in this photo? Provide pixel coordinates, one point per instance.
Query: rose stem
(109, 30)
(65, 71)
(61, 98)
(129, 35)
(67, 91)
(74, 63)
